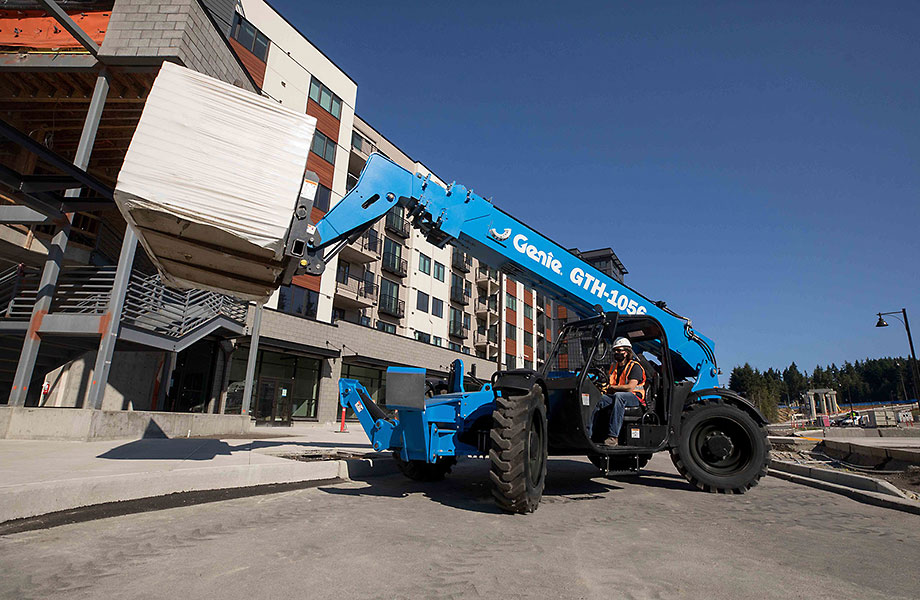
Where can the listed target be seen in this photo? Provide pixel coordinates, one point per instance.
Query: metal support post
(46, 288)
(112, 321)
(251, 361)
(913, 358)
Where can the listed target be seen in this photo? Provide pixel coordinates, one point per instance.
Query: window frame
(315, 94)
(322, 138)
(421, 301)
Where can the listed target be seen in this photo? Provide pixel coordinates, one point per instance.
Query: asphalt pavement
(652, 536)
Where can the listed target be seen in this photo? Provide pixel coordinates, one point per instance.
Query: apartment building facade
(390, 298)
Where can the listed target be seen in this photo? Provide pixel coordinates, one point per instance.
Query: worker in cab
(626, 387)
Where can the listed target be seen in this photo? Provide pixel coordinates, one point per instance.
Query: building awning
(320, 351)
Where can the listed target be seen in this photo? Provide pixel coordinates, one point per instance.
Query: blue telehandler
(517, 418)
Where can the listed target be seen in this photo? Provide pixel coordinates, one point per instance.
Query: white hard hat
(622, 342)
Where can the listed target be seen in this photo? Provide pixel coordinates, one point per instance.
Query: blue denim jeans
(620, 401)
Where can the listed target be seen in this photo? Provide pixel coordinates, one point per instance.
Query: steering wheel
(598, 377)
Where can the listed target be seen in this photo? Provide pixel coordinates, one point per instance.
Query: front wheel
(519, 450)
(721, 448)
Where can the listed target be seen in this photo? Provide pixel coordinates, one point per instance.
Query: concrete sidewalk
(41, 477)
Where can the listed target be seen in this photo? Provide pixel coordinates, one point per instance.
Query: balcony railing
(489, 304)
(391, 305)
(457, 329)
(459, 295)
(394, 264)
(486, 274)
(359, 287)
(486, 336)
(397, 225)
(462, 261)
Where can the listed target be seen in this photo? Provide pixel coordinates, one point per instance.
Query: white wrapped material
(210, 182)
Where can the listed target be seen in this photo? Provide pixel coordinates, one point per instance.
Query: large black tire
(623, 462)
(419, 470)
(519, 449)
(721, 449)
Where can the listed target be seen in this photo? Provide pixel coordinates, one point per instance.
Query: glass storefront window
(289, 382)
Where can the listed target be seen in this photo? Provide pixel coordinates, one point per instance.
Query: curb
(873, 498)
(34, 500)
(841, 478)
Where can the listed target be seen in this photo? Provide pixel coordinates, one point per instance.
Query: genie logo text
(615, 298)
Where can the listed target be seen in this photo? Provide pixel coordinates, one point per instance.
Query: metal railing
(359, 287)
(18, 287)
(459, 295)
(457, 329)
(462, 261)
(489, 304)
(397, 225)
(394, 264)
(486, 274)
(391, 305)
(83, 289)
(370, 242)
(488, 336)
(151, 305)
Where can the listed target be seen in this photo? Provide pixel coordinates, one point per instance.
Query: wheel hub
(719, 445)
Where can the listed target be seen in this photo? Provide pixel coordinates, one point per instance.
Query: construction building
(85, 321)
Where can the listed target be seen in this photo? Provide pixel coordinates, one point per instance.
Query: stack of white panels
(210, 182)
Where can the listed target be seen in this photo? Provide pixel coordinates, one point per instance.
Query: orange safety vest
(619, 378)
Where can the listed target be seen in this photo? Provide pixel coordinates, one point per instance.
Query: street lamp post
(913, 355)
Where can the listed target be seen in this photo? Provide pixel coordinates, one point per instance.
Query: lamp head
(881, 322)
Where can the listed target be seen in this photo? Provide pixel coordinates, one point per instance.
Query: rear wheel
(721, 448)
(419, 470)
(623, 462)
(519, 450)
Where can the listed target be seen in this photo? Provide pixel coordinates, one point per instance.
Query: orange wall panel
(35, 29)
(511, 316)
(510, 347)
(322, 168)
(325, 122)
(253, 64)
(510, 287)
(311, 282)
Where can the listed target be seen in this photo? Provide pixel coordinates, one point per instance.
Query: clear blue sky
(757, 165)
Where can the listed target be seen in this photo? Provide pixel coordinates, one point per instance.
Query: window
(357, 142)
(456, 281)
(296, 300)
(437, 307)
(510, 331)
(466, 350)
(323, 198)
(389, 288)
(386, 327)
(342, 272)
(455, 315)
(338, 314)
(511, 302)
(528, 364)
(391, 247)
(422, 303)
(438, 271)
(453, 346)
(325, 98)
(423, 337)
(510, 361)
(323, 147)
(249, 37)
(466, 320)
(436, 341)
(528, 311)
(424, 264)
(467, 289)
(528, 339)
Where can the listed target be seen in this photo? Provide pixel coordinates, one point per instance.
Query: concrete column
(112, 321)
(811, 405)
(834, 402)
(328, 410)
(48, 285)
(253, 357)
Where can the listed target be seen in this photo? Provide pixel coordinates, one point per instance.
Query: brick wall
(176, 30)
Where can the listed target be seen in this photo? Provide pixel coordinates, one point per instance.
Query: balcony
(485, 338)
(462, 261)
(397, 225)
(394, 264)
(486, 307)
(459, 295)
(352, 292)
(391, 305)
(487, 279)
(456, 329)
(363, 250)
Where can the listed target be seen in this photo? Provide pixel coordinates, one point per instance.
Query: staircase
(154, 316)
